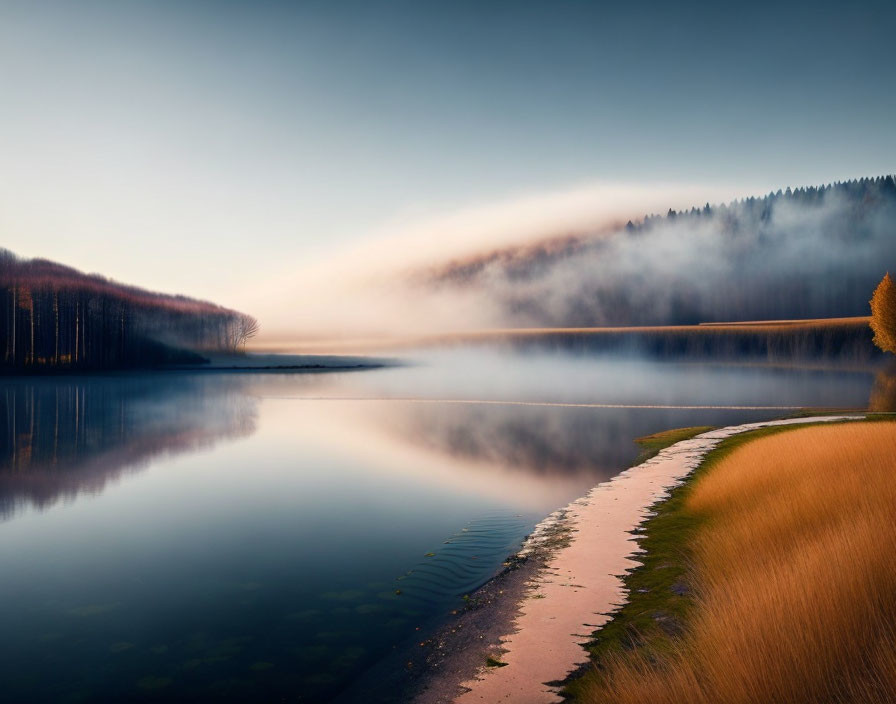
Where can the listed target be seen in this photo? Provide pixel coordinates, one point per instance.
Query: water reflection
(64, 436)
(883, 393)
(547, 442)
(353, 510)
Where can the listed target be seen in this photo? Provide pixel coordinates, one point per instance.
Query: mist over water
(234, 537)
(490, 373)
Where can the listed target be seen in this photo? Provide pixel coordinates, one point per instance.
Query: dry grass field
(793, 571)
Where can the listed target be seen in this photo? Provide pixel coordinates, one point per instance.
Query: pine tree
(883, 315)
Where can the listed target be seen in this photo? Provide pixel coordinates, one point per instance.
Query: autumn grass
(768, 578)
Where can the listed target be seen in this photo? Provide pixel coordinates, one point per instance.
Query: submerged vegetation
(55, 317)
(766, 578)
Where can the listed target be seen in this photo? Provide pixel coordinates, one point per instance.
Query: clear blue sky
(201, 146)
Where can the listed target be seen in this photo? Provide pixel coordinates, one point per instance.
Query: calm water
(234, 537)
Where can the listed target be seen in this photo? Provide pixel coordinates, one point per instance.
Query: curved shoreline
(571, 581)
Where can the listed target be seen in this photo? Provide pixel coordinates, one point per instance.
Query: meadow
(768, 578)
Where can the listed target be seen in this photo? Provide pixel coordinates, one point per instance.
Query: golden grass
(795, 578)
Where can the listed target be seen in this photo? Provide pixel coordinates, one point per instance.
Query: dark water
(239, 537)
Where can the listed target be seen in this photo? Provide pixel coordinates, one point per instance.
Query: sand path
(581, 583)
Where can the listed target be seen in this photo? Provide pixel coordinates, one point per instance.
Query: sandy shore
(576, 584)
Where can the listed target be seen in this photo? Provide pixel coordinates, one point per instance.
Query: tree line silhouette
(861, 192)
(55, 317)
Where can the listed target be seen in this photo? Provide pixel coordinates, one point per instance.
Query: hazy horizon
(232, 153)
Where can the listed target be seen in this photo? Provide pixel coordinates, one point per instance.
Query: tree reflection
(883, 393)
(545, 442)
(61, 437)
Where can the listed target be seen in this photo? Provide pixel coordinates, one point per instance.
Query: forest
(815, 252)
(55, 317)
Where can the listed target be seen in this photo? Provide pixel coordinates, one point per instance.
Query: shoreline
(531, 621)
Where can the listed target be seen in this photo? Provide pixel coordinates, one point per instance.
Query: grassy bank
(767, 577)
(652, 444)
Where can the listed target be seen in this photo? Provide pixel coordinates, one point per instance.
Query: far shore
(238, 363)
(525, 632)
(833, 342)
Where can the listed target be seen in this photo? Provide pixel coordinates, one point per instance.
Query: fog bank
(572, 260)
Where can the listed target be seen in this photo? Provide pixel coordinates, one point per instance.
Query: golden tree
(883, 315)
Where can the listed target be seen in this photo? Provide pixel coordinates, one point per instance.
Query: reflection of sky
(152, 141)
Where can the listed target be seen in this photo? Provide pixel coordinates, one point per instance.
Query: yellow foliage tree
(883, 315)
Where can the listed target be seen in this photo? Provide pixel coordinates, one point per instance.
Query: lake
(232, 536)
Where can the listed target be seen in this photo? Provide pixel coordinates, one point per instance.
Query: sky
(224, 149)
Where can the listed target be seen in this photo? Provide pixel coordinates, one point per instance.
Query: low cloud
(380, 286)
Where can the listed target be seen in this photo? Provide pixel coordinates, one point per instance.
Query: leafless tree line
(53, 316)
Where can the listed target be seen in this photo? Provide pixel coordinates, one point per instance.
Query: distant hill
(813, 252)
(55, 317)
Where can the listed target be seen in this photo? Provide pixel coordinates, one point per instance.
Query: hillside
(813, 252)
(55, 317)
